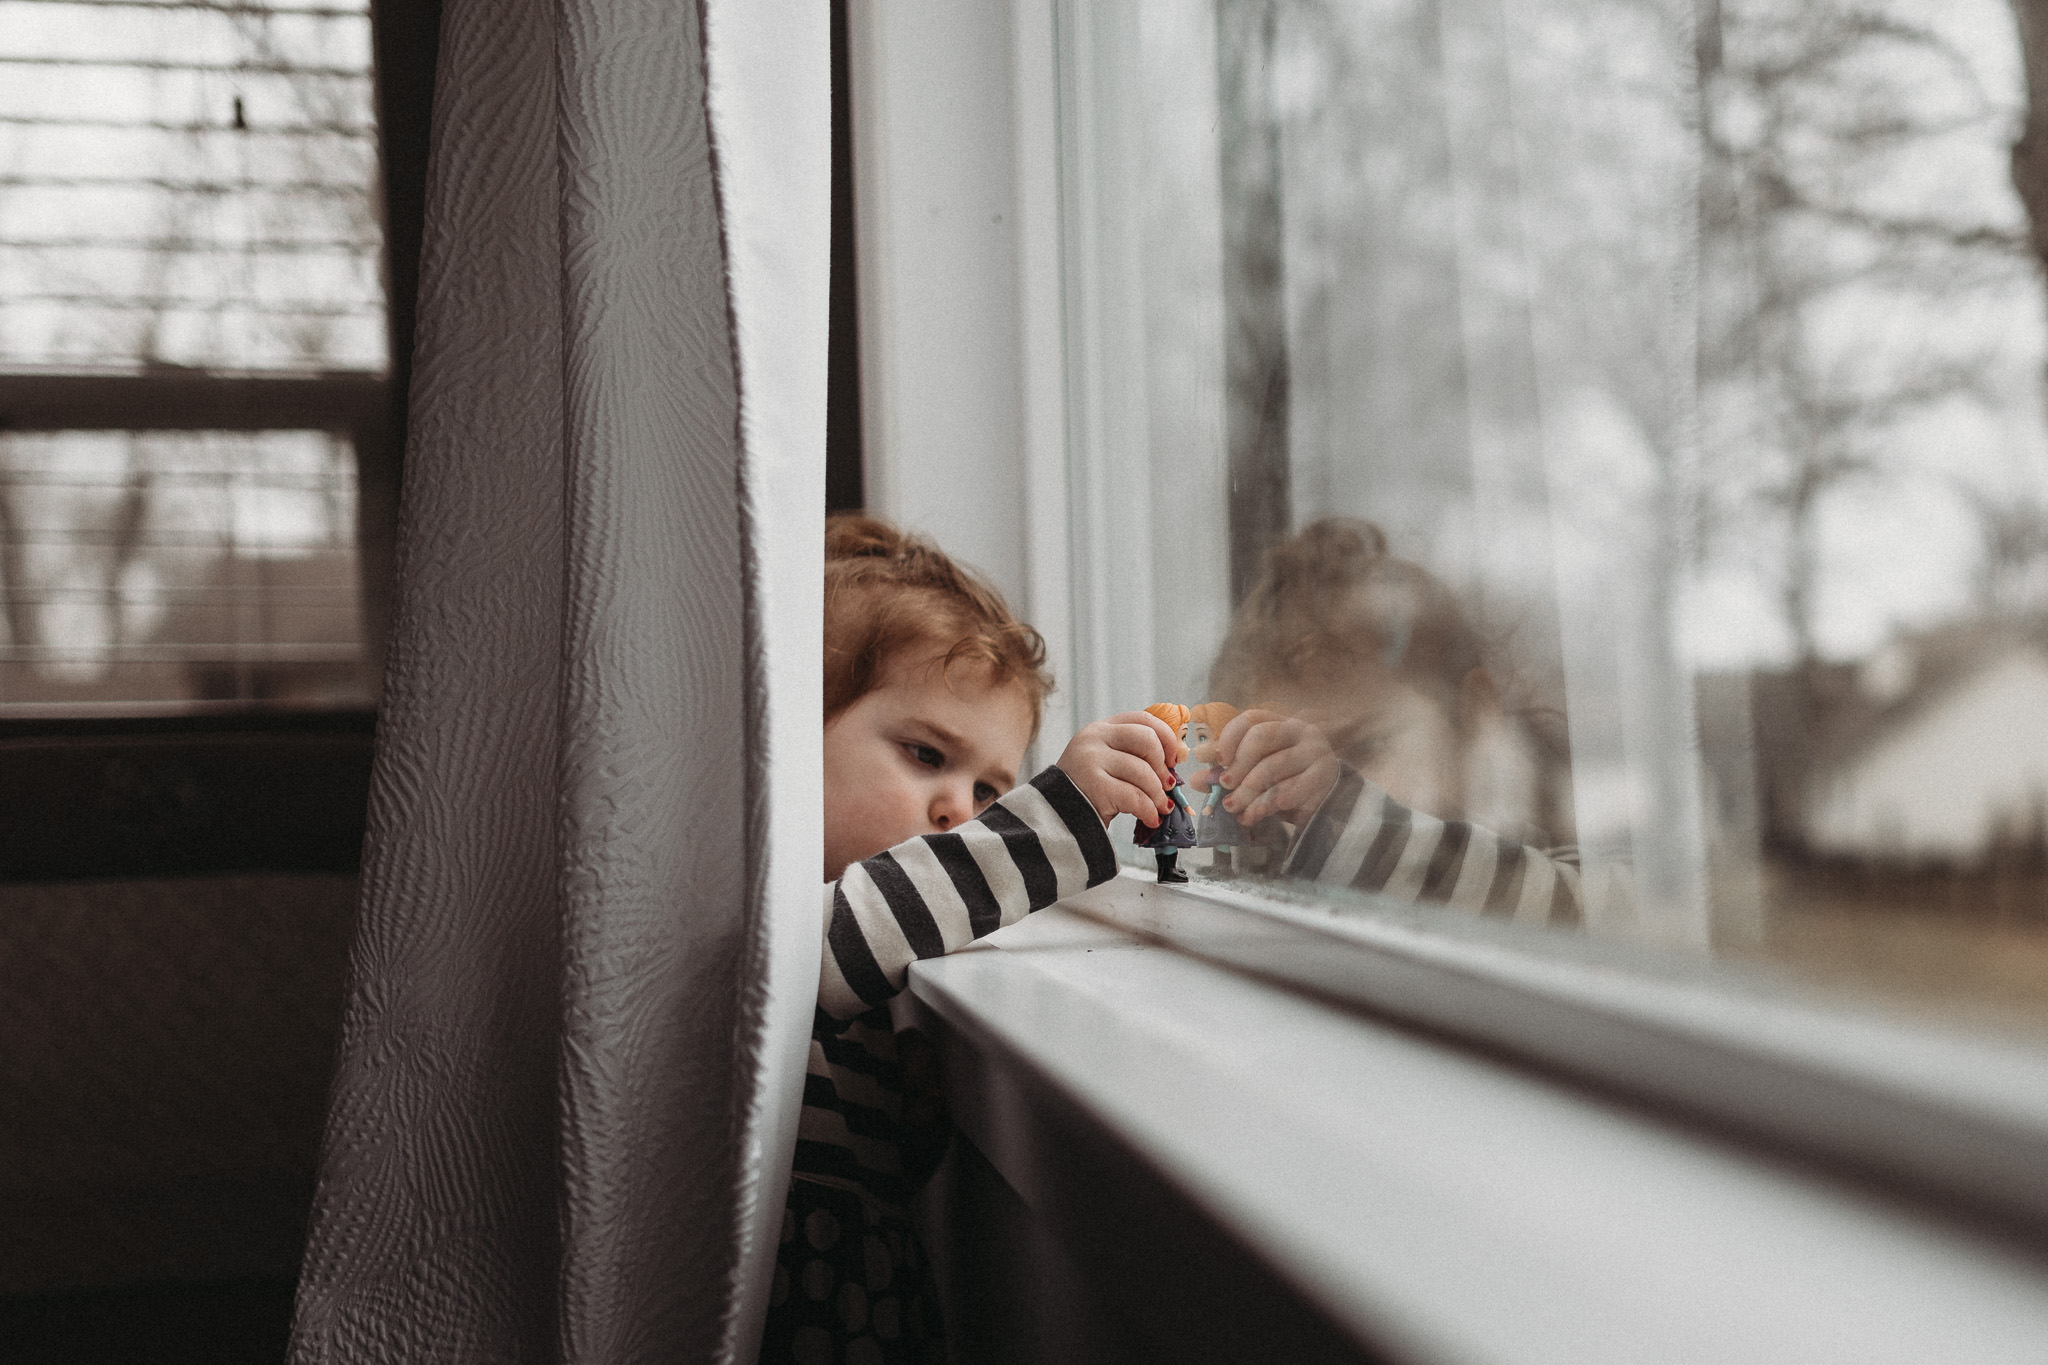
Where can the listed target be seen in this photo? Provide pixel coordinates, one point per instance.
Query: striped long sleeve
(1363, 838)
(922, 898)
(930, 895)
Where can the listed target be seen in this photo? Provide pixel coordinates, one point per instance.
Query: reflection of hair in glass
(886, 592)
(1332, 608)
(1336, 628)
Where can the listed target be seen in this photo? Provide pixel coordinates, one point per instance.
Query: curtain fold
(583, 973)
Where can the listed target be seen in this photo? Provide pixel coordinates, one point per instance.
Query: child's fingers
(1115, 782)
(1135, 774)
(1124, 799)
(1303, 791)
(1170, 747)
(1261, 742)
(1234, 733)
(1270, 771)
(1147, 736)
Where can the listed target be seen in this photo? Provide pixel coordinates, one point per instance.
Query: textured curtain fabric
(582, 979)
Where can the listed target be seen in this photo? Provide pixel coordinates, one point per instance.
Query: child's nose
(952, 806)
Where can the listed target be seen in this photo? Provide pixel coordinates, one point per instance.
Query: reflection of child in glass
(1176, 828)
(1380, 732)
(932, 694)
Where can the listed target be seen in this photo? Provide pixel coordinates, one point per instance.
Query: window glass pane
(188, 184)
(1615, 427)
(178, 567)
(189, 240)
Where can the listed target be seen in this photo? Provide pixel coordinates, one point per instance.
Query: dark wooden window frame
(113, 796)
(285, 791)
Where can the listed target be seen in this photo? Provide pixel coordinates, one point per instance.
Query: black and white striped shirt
(933, 894)
(924, 898)
(1363, 838)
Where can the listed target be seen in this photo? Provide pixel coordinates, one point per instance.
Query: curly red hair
(887, 593)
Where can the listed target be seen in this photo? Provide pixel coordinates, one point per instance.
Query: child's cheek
(893, 813)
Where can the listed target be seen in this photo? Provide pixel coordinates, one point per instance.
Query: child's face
(918, 755)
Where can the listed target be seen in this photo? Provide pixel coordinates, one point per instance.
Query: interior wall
(935, 201)
(165, 1051)
(176, 903)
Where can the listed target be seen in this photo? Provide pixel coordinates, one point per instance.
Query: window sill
(1960, 1120)
(1406, 1195)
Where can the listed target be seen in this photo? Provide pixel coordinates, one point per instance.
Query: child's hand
(1274, 765)
(1121, 765)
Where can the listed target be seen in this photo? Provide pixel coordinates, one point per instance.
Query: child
(1380, 731)
(932, 694)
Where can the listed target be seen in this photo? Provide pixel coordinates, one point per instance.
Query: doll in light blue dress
(1216, 828)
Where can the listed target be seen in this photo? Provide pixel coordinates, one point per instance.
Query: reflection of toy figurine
(1218, 828)
(1176, 829)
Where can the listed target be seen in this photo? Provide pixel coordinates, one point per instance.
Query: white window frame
(1897, 1178)
(1421, 1200)
(962, 316)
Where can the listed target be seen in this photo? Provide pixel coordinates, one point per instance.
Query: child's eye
(983, 794)
(927, 755)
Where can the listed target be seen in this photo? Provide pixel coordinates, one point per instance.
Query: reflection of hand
(1121, 766)
(1274, 765)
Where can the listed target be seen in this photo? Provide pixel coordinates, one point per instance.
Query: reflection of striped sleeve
(1363, 838)
(932, 894)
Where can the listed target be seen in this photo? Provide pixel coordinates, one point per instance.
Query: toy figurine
(1217, 828)
(1176, 829)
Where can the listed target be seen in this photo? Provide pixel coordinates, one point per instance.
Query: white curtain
(588, 948)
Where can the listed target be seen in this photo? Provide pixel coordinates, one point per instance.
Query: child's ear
(1478, 700)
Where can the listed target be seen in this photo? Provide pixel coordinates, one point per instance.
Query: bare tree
(1254, 285)
(1801, 111)
(2012, 578)
(2030, 150)
(271, 199)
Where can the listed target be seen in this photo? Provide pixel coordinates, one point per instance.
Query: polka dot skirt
(851, 1286)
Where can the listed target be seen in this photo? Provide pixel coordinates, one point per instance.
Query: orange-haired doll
(1216, 827)
(1176, 829)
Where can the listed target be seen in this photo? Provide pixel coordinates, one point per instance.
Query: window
(1616, 429)
(198, 462)
(1642, 334)
(193, 351)
(215, 565)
